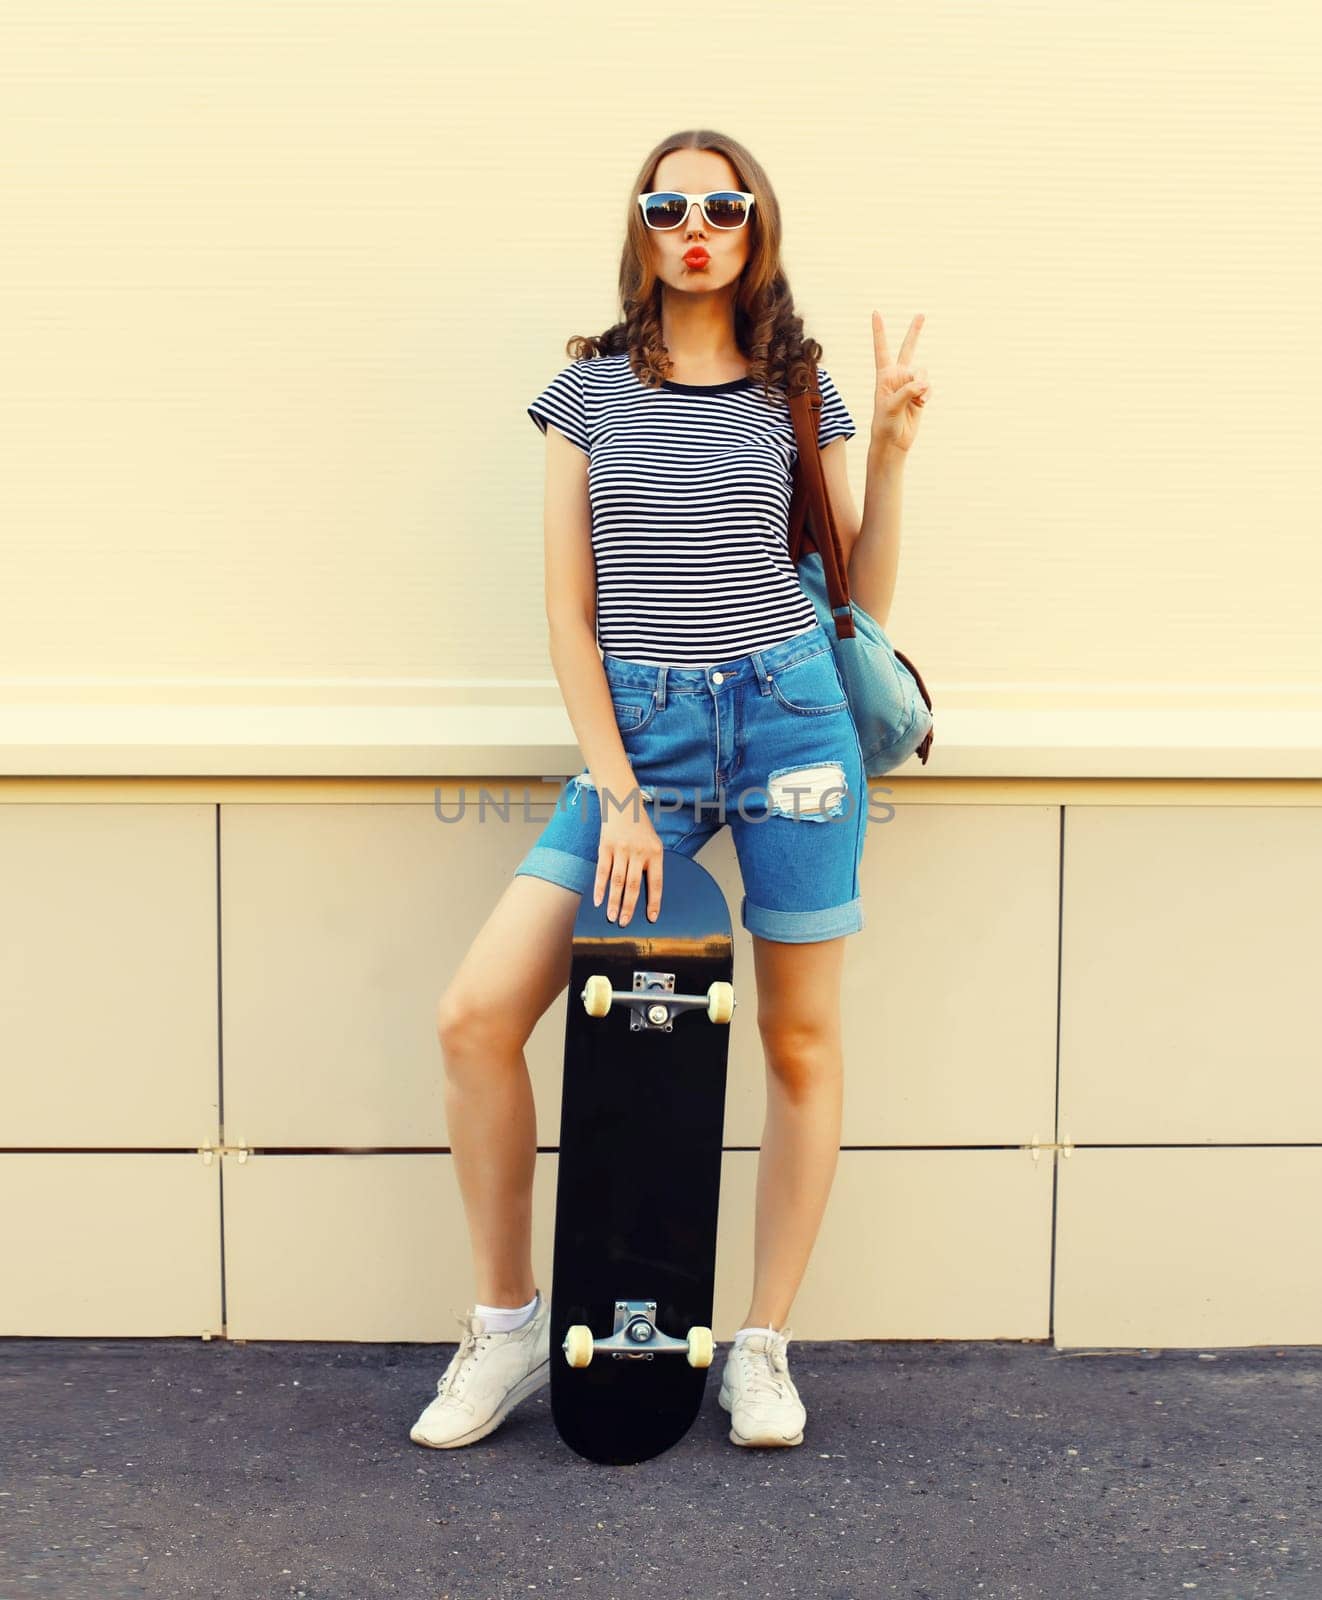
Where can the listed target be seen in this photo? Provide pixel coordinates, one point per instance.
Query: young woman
(715, 698)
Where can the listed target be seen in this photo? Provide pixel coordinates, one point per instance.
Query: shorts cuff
(802, 927)
(558, 866)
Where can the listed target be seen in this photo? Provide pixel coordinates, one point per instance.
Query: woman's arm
(875, 559)
(872, 542)
(571, 612)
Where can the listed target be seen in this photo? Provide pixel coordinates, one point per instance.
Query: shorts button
(718, 677)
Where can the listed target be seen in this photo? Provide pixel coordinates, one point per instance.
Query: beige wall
(278, 283)
(276, 288)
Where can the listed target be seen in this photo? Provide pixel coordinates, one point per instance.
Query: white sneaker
(487, 1377)
(756, 1388)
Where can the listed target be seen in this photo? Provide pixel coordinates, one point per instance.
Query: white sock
(743, 1332)
(504, 1319)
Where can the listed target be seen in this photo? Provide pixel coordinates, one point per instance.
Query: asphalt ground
(974, 1471)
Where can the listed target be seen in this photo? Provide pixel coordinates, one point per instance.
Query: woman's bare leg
(798, 1015)
(516, 966)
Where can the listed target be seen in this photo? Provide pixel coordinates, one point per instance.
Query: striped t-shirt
(690, 488)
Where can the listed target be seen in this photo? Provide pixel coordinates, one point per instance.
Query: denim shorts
(765, 742)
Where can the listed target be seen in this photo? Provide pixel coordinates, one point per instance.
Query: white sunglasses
(668, 208)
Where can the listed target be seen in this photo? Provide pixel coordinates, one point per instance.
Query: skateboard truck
(653, 1001)
(635, 1326)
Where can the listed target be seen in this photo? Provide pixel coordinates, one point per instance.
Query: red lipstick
(696, 257)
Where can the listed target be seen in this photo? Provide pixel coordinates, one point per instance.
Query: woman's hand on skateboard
(629, 847)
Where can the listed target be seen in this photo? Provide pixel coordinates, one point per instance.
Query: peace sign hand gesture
(902, 389)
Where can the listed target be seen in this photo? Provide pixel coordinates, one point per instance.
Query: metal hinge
(207, 1150)
(1037, 1146)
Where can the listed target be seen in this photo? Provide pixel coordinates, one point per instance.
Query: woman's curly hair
(767, 328)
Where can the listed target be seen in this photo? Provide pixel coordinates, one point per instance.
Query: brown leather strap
(811, 518)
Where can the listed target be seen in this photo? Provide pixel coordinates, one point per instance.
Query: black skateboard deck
(638, 1185)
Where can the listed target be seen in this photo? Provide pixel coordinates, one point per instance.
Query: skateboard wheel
(720, 1001)
(597, 995)
(578, 1345)
(700, 1347)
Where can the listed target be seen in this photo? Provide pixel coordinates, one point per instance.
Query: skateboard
(638, 1186)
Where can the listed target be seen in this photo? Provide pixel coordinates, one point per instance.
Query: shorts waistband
(753, 668)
